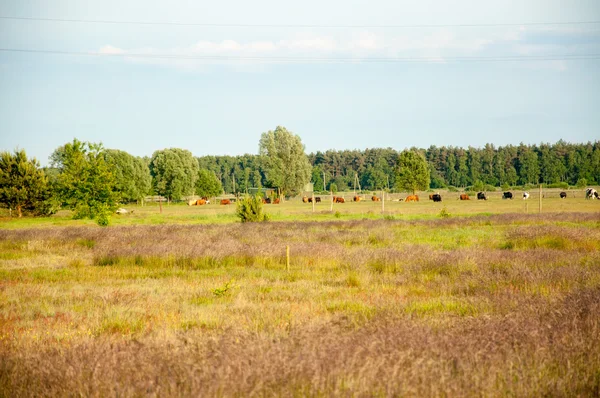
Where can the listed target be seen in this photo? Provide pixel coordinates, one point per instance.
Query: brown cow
(412, 198)
(200, 202)
(339, 199)
(375, 199)
(356, 198)
(464, 196)
(305, 199)
(276, 201)
(225, 201)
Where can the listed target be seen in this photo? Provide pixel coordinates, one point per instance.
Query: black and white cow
(563, 195)
(481, 196)
(525, 195)
(591, 193)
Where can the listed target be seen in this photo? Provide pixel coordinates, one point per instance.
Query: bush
(452, 188)
(478, 186)
(103, 219)
(444, 213)
(581, 183)
(250, 209)
(489, 188)
(505, 186)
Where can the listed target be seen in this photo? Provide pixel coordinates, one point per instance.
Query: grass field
(493, 300)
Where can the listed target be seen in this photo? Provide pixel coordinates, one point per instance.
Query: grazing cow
(481, 196)
(436, 197)
(375, 199)
(412, 198)
(305, 199)
(591, 193)
(338, 199)
(356, 198)
(464, 196)
(318, 199)
(507, 195)
(276, 201)
(225, 201)
(525, 195)
(563, 195)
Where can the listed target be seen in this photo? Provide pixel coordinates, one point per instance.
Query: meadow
(459, 298)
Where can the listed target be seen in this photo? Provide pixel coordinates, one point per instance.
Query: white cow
(525, 195)
(591, 193)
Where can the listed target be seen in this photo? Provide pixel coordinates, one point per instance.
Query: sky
(210, 77)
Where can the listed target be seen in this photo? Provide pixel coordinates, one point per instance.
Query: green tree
(529, 170)
(208, 185)
(85, 182)
(132, 175)
(286, 164)
(174, 173)
(412, 172)
(23, 185)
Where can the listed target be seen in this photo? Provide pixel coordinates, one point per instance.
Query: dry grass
(485, 305)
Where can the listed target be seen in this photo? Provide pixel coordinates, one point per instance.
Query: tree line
(375, 169)
(92, 180)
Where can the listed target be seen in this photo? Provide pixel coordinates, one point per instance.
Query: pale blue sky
(221, 107)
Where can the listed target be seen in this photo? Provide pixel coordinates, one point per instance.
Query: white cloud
(435, 45)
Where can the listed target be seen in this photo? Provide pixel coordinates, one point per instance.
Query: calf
(338, 199)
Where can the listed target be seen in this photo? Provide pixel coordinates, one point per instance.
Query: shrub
(452, 188)
(103, 219)
(478, 186)
(581, 183)
(505, 186)
(250, 209)
(444, 213)
(489, 188)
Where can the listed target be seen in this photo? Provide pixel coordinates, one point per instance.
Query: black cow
(563, 195)
(436, 197)
(481, 196)
(507, 195)
(317, 199)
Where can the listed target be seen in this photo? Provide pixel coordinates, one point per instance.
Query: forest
(559, 164)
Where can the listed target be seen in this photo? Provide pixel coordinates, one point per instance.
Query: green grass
(429, 302)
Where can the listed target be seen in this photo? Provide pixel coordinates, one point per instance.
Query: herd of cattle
(590, 193)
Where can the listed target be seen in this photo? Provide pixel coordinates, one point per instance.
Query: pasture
(483, 298)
